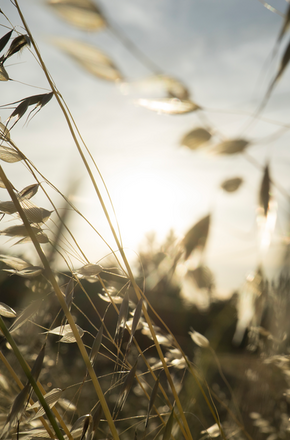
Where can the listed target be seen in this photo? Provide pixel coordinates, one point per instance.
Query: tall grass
(115, 384)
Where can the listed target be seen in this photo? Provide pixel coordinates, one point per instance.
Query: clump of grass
(110, 385)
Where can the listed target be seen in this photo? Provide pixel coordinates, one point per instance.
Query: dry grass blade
(27, 314)
(136, 319)
(152, 399)
(9, 155)
(231, 146)
(7, 311)
(16, 409)
(169, 106)
(232, 185)
(80, 13)
(125, 390)
(195, 138)
(96, 345)
(69, 293)
(90, 58)
(168, 426)
(17, 44)
(37, 366)
(3, 74)
(4, 40)
(264, 194)
(196, 237)
(122, 318)
(4, 133)
(28, 192)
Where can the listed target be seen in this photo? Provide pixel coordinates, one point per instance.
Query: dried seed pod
(36, 215)
(89, 272)
(199, 339)
(232, 185)
(169, 106)
(17, 44)
(19, 231)
(4, 40)
(28, 192)
(9, 155)
(83, 14)
(38, 100)
(196, 236)
(231, 146)
(7, 311)
(264, 193)
(90, 58)
(66, 332)
(51, 399)
(3, 74)
(195, 138)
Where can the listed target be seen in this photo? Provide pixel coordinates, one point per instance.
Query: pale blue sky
(218, 49)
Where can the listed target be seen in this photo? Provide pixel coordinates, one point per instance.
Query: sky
(221, 51)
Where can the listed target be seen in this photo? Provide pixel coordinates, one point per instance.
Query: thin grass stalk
(31, 379)
(50, 276)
